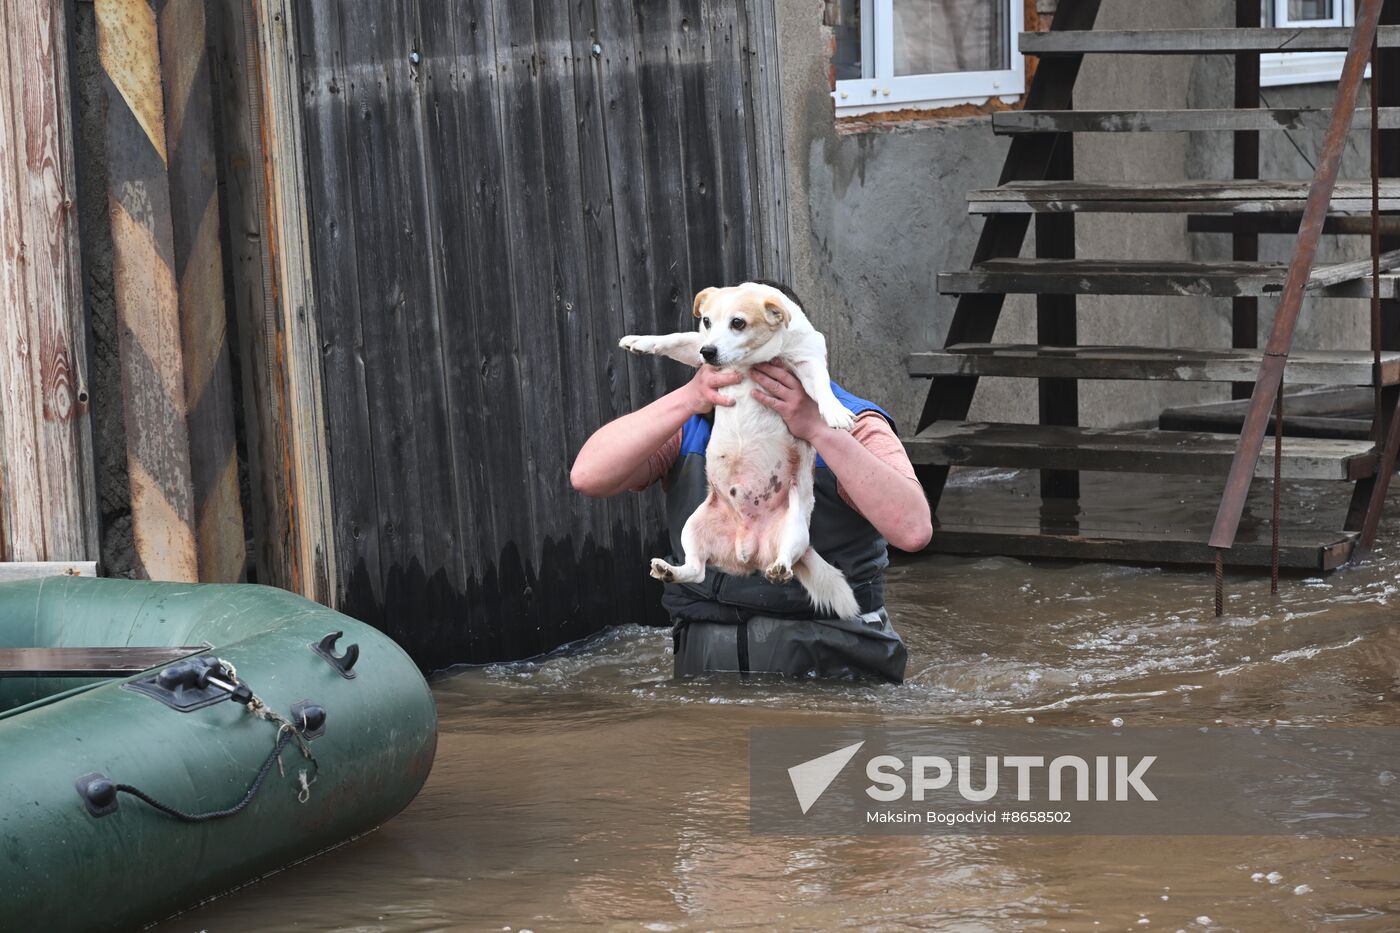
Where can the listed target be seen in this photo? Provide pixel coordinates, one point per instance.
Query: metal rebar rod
(1378, 422)
(1219, 582)
(1278, 491)
(1270, 378)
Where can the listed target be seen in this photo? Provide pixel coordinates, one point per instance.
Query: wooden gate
(496, 192)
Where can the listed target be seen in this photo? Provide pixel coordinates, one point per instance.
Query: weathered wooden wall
(47, 492)
(497, 192)
(258, 96)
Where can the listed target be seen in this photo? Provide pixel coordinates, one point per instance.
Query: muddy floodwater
(588, 791)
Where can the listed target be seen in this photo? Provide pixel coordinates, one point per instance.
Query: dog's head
(740, 324)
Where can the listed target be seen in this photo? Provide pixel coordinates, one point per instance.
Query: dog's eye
(738, 324)
(705, 322)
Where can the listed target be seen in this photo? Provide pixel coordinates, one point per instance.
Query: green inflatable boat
(262, 729)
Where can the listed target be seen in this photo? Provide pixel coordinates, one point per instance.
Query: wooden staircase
(1038, 186)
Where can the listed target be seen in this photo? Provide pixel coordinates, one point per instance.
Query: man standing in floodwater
(867, 496)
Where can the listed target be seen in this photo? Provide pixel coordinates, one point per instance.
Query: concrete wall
(876, 214)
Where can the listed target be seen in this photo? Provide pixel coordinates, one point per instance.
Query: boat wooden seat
(88, 662)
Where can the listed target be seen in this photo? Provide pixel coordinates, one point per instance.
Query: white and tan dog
(759, 509)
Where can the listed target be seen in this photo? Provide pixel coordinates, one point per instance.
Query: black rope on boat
(178, 814)
(287, 731)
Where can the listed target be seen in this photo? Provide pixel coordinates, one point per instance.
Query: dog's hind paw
(836, 416)
(778, 573)
(663, 571)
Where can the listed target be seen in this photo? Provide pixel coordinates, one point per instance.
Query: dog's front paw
(663, 571)
(836, 416)
(638, 345)
(778, 573)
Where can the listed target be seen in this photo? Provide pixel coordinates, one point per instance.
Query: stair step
(1153, 277)
(1179, 121)
(1339, 367)
(1196, 41)
(1299, 549)
(1192, 195)
(1031, 446)
(1337, 412)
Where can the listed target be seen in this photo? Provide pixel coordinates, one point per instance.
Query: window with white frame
(924, 54)
(1280, 68)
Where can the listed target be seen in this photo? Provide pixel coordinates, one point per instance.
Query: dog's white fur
(759, 509)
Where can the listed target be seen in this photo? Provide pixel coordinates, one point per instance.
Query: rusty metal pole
(1270, 379)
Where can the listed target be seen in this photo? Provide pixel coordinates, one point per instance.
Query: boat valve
(341, 662)
(98, 792)
(310, 718)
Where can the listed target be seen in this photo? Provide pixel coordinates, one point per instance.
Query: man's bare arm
(614, 459)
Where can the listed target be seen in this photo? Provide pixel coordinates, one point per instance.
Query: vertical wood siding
(47, 491)
(498, 192)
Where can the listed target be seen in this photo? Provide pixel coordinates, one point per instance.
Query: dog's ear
(700, 300)
(778, 314)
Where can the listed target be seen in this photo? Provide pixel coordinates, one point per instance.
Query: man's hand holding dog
(704, 389)
(780, 390)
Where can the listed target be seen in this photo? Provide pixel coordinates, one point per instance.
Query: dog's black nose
(709, 353)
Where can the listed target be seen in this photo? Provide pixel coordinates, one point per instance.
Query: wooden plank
(480, 338)
(1030, 446)
(1197, 41)
(1016, 122)
(30, 570)
(1286, 224)
(533, 251)
(393, 292)
(635, 156)
(677, 270)
(1299, 549)
(257, 79)
(581, 347)
(764, 81)
(1151, 277)
(89, 662)
(1187, 195)
(303, 436)
(48, 505)
(1330, 412)
(457, 43)
(607, 104)
(1342, 367)
(443, 457)
(688, 23)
